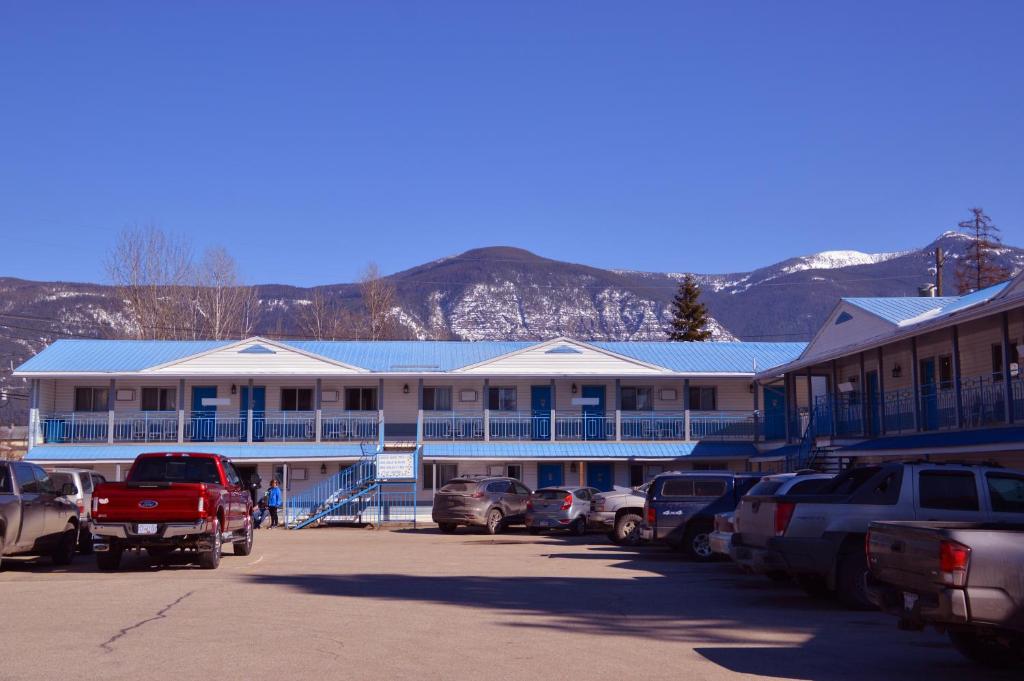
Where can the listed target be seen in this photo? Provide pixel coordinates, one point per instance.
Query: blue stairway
(346, 494)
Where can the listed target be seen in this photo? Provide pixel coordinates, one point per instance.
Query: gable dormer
(564, 356)
(254, 357)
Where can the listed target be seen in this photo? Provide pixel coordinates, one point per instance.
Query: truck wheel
(244, 547)
(84, 542)
(697, 544)
(627, 530)
(850, 585)
(65, 551)
(495, 521)
(985, 650)
(447, 528)
(109, 561)
(210, 560)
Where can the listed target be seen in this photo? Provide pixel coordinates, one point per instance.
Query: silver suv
(481, 501)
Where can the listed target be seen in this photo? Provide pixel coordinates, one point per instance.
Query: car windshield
(459, 486)
(176, 469)
(765, 487)
(550, 494)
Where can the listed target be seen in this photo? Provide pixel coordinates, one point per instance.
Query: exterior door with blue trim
(259, 412)
(600, 475)
(540, 405)
(929, 395)
(550, 475)
(774, 412)
(593, 414)
(204, 416)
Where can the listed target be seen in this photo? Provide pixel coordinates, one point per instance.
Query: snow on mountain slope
(831, 260)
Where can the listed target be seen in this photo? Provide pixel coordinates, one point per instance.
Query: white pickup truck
(819, 539)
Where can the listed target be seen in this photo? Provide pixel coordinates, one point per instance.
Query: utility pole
(940, 260)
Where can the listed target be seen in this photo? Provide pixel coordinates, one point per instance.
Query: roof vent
(256, 350)
(843, 317)
(926, 291)
(563, 350)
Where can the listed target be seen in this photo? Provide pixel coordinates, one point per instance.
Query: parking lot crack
(108, 645)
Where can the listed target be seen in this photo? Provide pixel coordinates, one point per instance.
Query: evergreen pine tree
(689, 315)
(977, 268)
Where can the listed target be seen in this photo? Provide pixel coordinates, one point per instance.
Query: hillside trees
(978, 268)
(689, 315)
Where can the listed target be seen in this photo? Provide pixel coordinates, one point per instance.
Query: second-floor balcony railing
(982, 401)
(453, 425)
(723, 425)
(340, 426)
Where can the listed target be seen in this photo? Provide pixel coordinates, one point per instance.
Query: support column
(248, 413)
(583, 477)
(117, 472)
(380, 413)
(181, 410)
(810, 400)
(486, 399)
(284, 495)
(419, 411)
(915, 380)
(835, 398)
(110, 410)
(551, 435)
(618, 409)
(957, 386)
(1007, 376)
(787, 396)
(881, 393)
(686, 409)
(863, 397)
(757, 411)
(318, 424)
(33, 414)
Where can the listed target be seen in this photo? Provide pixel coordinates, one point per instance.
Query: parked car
(560, 508)
(36, 518)
(84, 481)
(819, 539)
(620, 513)
(490, 502)
(962, 578)
(192, 502)
(754, 521)
(680, 507)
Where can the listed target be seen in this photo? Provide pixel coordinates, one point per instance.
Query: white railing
(339, 426)
(580, 426)
(654, 425)
(75, 427)
(146, 426)
(453, 425)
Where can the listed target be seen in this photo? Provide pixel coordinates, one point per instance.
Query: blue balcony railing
(453, 425)
(653, 425)
(349, 426)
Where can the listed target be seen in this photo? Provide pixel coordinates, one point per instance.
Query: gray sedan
(560, 508)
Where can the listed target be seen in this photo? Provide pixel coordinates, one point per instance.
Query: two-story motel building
(554, 412)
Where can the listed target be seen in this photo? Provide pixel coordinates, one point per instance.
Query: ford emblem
(148, 503)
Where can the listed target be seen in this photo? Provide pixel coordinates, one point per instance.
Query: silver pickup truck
(620, 513)
(966, 579)
(35, 518)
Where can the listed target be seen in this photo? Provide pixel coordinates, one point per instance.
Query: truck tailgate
(755, 520)
(149, 503)
(906, 556)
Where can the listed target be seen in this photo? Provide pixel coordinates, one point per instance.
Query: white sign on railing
(396, 466)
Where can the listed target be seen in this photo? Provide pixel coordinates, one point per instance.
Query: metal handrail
(354, 481)
(453, 425)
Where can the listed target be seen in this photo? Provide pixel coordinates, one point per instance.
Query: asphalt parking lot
(340, 603)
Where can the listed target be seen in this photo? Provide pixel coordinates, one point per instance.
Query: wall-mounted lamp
(574, 389)
(573, 468)
(234, 389)
(323, 469)
(751, 388)
(405, 388)
(897, 371)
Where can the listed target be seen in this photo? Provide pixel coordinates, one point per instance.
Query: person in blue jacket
(274, 501)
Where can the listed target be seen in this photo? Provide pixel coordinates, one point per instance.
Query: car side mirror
(68, 489)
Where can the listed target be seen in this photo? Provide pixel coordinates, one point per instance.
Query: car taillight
(567, 502)
(783, 514)
(478, 495)
(81, 507)
(954, 559)
(529, 505)
(95, 505)
(650, 516)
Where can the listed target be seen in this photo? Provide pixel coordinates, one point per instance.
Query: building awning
(940, 442)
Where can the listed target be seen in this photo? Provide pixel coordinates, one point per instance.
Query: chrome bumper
(163, 530)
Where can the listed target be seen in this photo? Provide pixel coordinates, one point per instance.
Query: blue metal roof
(410, 356)
(128, 452)
(710, 357)
(113, 356)
(589, 450)
(124, 356)
(901, 309)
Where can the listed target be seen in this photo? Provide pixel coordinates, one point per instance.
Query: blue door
(540, 404)
(550, 475)
(204, 416)
(774, 412)
(600, 475)
(593, 414)
(259, 413)
(929, 395)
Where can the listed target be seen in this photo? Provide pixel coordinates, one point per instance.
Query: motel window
(91, 399)
(636, 474)
(296, 399)
(945, 371)
(637, 399)
(437, 399)
(502, 399)
(703, 398)
(445, 472)
(361, 399)
(159, 399)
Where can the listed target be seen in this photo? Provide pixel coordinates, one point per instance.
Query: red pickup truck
(193, 502)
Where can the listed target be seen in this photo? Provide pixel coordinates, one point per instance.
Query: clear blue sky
(311, 137)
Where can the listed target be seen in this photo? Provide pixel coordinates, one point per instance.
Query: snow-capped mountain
(510, 293)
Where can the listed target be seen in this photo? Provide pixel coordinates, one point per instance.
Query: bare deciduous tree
(380, 300)
(978, 269)
(224, 307)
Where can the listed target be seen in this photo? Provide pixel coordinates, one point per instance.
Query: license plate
(909, 601)
(147, 528)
